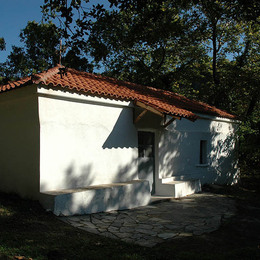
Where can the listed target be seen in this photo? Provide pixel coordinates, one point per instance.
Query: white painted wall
(85, 140)
(52, 140)
(19, 142)
(179, 150)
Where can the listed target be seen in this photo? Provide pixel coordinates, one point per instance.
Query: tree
(147, 45)
(41, 42)
(245, 79)
(2, 47)
(172, 45)
(2, 44)
(41, 51)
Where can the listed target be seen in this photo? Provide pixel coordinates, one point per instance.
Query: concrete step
(97, 198)
(179, 189)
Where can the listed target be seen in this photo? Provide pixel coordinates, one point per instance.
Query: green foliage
(74, 59)
(41, 42)
(240, 80)
(148, 45)
(249, 141)
(41, 51)
(28, 231)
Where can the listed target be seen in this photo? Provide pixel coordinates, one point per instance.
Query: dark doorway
(146, 158)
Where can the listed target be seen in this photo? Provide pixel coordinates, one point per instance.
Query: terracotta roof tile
(163, 101)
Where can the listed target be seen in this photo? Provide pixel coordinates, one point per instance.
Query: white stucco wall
(85, 140)
(179, 150)
(19, 142)
(52, 140)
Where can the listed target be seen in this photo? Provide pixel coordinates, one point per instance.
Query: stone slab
(175, 219)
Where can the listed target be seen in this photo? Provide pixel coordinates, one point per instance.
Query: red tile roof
(163, 101)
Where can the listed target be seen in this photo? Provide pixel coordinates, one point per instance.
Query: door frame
(155, 151)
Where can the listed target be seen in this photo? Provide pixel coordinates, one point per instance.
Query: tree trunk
(252, 104)
(214, 62)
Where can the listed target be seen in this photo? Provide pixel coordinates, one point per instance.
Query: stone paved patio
(163, 220)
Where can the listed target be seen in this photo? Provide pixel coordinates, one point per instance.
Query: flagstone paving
(172, 219)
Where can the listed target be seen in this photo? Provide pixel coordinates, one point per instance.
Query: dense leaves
(42, 50)
(2, 44)
(41, 42)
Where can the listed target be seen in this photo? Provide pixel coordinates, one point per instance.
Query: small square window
(203, 152)
(145, 144)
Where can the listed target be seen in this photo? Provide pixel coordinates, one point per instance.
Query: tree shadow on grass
(30, 231)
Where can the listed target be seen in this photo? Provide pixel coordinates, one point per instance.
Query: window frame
(203, 153)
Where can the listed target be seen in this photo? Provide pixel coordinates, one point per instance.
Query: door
(146, 158)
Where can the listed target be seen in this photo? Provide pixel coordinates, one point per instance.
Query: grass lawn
(27, 231)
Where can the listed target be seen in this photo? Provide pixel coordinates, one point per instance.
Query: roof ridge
(45, 75)
(93, 75)
(114, 80)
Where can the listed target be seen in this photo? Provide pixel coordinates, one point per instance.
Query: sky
(14, 15)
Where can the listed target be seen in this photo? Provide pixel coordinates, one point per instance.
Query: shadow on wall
(106, 196)
(124, 133)
(75, 177)
(169, 152)
(98, 198)
(73, 180)
(111, 151)
(223, 157)
(179, 155)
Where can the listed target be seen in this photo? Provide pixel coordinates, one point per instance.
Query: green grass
(29, 231)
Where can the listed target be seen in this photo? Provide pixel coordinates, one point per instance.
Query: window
(145, 144)
(203, 152)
